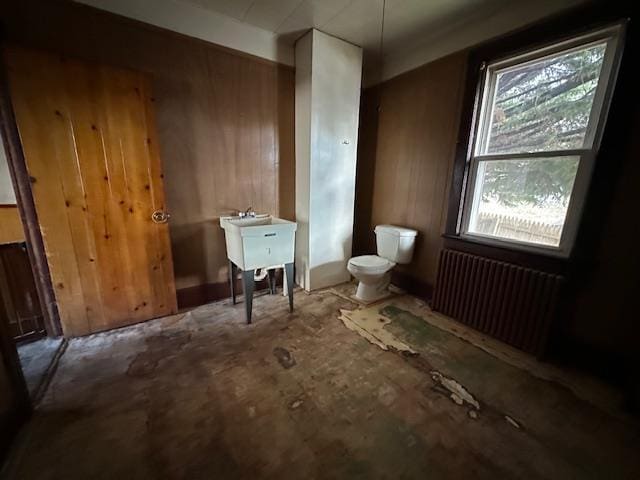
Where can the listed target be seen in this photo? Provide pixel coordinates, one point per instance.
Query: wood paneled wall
(225, 120)
(10, 225)
(405, 160)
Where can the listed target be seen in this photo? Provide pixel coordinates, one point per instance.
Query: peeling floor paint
(204, 395)
(371, 322)
(381, 323)
(371, 325)
(295, 404)
(600, 394)
(457, 392)
(512, 422)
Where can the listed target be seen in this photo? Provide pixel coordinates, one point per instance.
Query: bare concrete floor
(35, 359)
(300, 396)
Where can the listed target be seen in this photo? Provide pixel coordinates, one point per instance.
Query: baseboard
(197, 295)
(212, 292)
(30, 337)
(409, 284)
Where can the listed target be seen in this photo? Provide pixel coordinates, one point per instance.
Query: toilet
(394, 245)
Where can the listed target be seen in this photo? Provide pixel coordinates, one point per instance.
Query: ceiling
(415, 31)
(356, 21)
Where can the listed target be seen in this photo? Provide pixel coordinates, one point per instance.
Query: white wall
(303, 155)
(7, 195)
(192, 20)
(326, 169)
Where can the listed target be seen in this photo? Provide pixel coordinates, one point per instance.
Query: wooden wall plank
(84, 112)
(67, 167)
(28, 216)
(127, 140)
(285, 153)
(406, 156)
(162, 263)
(50, 136)
(11, 230)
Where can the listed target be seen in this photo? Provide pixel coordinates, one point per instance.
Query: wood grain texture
(224, 119)
(89, 139)
(18, 293)
(26, 207)
(10, 225)
(406, 156)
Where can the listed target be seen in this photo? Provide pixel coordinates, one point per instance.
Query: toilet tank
(395, 243)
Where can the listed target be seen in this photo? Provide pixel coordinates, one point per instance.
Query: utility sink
(259, 242)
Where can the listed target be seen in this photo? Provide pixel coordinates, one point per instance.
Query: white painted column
(328, 80)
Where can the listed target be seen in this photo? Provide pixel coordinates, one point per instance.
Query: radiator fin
(509, 302)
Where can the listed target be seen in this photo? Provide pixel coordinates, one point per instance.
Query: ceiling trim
(193, 21)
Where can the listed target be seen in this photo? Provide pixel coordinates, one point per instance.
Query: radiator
(509, 302)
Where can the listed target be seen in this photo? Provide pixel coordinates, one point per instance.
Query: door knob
(160, 216)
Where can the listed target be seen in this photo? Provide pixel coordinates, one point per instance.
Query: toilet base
(368, 293)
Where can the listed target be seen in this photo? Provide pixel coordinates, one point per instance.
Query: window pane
(545, 105)
(524, 200)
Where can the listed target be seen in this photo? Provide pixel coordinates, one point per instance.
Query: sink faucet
(247, 213)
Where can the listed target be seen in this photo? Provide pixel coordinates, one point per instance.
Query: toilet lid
(397, 231)
(371, 263)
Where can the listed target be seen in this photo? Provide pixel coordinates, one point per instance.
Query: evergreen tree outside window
(536, 131)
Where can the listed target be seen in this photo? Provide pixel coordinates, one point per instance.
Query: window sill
(519, 246)
(540, 258)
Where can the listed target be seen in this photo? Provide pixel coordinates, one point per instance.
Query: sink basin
(259, 242)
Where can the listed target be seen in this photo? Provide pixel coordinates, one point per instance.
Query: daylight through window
(536, 133)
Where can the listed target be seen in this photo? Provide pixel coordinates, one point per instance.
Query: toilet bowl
(373, 272)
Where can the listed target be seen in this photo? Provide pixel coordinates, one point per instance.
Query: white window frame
(481, 126)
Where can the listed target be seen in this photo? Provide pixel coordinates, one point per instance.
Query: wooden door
(91, 150)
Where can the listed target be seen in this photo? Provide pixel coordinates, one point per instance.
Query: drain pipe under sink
(260, 274)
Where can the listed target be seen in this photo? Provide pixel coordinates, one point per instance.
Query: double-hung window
(537, 125)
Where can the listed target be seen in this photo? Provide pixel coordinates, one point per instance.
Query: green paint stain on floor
(502, 388)
(411, 328)
(460, 357)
